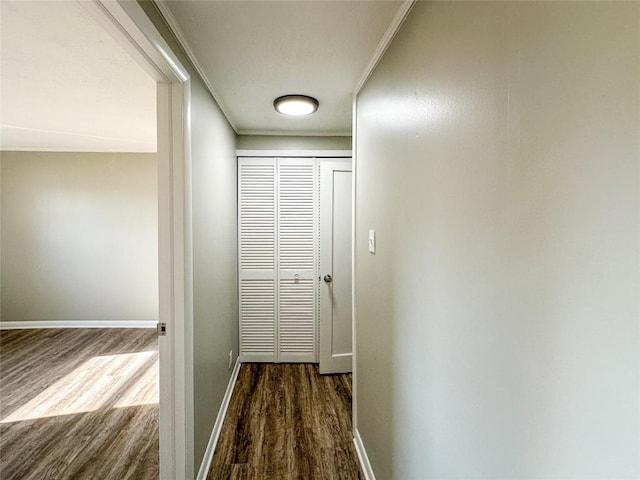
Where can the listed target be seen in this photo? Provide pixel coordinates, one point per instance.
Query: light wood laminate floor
(78, 404)
(287, 422)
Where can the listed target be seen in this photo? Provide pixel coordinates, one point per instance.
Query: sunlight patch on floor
(95, 384)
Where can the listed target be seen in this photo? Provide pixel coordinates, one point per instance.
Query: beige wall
(497, 323)
(278, 142)
(79, 236)
(215, 277)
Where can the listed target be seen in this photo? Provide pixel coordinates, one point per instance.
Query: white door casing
(335, 261)
(130, 26)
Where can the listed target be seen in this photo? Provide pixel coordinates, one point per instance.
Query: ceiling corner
(385, 41)
(173, 25)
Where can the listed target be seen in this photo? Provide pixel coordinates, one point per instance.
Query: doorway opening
(79, 356)
(132, 30)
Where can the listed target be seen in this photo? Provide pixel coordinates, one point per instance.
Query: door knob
(328, 278)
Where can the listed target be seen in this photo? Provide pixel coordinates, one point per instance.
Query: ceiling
(67, 85)
(251, 52)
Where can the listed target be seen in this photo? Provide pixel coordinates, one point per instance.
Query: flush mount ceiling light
(296, 105)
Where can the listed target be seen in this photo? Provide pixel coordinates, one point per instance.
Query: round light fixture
(296, 105)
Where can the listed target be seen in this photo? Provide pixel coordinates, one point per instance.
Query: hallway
(287, 421)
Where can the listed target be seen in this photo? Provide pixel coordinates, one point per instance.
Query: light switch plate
(372, 241)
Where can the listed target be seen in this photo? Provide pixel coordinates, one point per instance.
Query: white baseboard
(78, 324)
(362, 456)
(217, 426)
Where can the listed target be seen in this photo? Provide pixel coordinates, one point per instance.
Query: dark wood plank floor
(287, 422)
(78, 404)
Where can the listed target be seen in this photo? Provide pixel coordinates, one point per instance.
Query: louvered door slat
(297, 320)
(297, 224)
(257, 255)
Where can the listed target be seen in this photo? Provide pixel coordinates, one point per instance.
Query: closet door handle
(328, 278)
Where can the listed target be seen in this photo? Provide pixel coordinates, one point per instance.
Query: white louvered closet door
(278, 225)
(257, 259)
(297, 236)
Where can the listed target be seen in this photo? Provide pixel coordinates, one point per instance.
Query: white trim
(295, 153)
(128, 23)
(23, 324)
(362, 457)
(217, 426)
(177, 261)
(186, 342)
(354, 356)
(126, 26)
(297, 133)
(182, 40)
(385, 41)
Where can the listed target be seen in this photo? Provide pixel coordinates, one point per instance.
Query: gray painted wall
(283, 142)
(214, 261)
(497, 324)
(79, 236)
(215, 279)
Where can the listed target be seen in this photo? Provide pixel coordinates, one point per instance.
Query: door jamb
(130, 26)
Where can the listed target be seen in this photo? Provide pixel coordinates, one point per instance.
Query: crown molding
(385, 41)
(397, 21)
(173, 25)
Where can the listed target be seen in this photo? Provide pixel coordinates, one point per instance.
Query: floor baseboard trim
(78, 324)
(217, 426)
(362, 457)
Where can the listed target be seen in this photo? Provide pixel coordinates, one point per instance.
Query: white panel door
(257, 259)
(297, 238)
(335, 267)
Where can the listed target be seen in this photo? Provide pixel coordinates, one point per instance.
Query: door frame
(321, 156)
(130, 26)
(295, 153)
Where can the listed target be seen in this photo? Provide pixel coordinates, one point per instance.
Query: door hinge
(162, 329)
